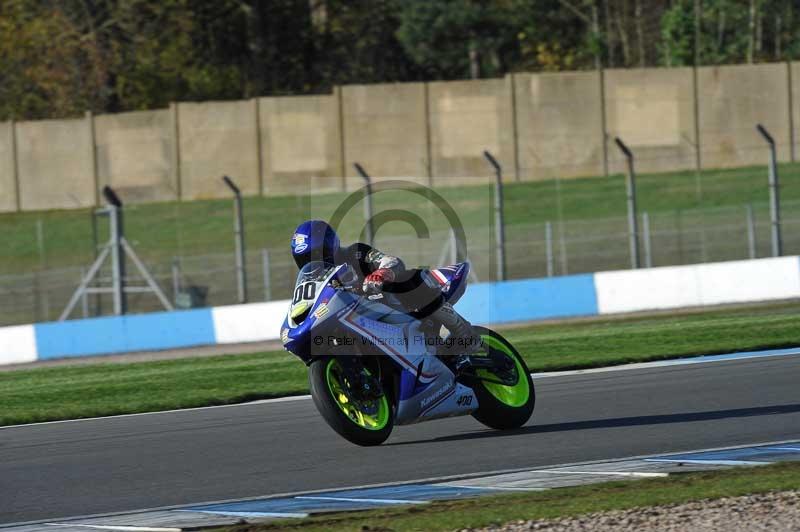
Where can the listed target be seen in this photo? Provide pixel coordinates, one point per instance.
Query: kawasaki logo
(436, 395)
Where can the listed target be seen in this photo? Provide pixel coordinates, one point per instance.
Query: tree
(356, 42)
(459, 38)
(48, 68)
(556, 35)
(168, 51)
(731, 31)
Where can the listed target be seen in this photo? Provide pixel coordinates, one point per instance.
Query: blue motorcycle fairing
(427, 388)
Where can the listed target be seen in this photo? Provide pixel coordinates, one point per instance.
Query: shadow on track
(618, 422)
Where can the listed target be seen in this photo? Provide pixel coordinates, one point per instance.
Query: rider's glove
(373, 283)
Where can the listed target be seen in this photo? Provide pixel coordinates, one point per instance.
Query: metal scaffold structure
(118, 249)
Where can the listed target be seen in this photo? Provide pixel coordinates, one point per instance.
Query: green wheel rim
(351, 409)
(516, 395)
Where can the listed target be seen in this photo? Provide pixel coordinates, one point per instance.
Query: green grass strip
(102, 389)
(560, 502)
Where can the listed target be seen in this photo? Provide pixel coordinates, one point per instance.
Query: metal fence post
(40, 243)
(648, 255)
(238, 230)
(633, 230)
(89, 118)
(117, 253)
(548, 243)
(84, 297)
(499, 223)
(367, 202)
(266, 271)
(176, 279)
(751, 231)
(774, 198)
(679, 232)
(175, 155)
(37, 291)
(96, 247)
(562, 248)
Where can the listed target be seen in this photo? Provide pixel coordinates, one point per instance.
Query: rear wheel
(361, 421)
(505, 397)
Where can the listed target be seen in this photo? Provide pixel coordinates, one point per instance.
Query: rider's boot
(463, 338)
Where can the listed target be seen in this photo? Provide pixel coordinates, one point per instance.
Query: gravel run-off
(773, 512)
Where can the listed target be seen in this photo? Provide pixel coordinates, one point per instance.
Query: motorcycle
(372, 365)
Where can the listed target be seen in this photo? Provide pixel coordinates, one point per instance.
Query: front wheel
(361, 421)
(501, 405)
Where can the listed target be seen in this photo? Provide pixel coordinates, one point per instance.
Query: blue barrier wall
(485, 303)
(529, 299)
(141, 332)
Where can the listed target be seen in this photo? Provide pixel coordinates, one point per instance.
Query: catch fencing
(548, 248)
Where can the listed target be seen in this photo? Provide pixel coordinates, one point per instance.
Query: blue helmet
(314, 240)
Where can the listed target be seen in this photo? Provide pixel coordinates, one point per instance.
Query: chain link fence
(202, 270)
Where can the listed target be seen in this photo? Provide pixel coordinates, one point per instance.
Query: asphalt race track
(145, 461)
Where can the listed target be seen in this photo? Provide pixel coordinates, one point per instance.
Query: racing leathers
(414, 289)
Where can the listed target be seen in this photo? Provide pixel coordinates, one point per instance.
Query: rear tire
(351, 420)
(504, 407)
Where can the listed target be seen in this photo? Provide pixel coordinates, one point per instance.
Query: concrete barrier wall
(253, 322)
(135, 154)
(142, 332)
(216, 139)
(698, 285)
(529, 299)
(55, 164)
(8, 181)
(539, 126)
(732, 100)
(559, 125)
(652, 110)
(466, 118)
(300, 144)
(486, 304)
(18, 344)
(385, 130)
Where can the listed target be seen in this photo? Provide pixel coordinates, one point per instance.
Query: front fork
(363, 382)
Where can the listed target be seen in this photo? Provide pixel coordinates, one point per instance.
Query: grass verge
(561, 502)
(70, 392)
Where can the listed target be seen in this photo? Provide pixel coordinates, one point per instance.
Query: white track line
(286, 399)
(499, 488)
(279, 515)
(611, 473)
(672, 362)
(350, 499)
(117, 527)
(708, 462)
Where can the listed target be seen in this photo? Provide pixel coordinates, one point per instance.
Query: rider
(415, 289)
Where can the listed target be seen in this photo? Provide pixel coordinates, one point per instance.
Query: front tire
(500, 406)
(361, 422)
